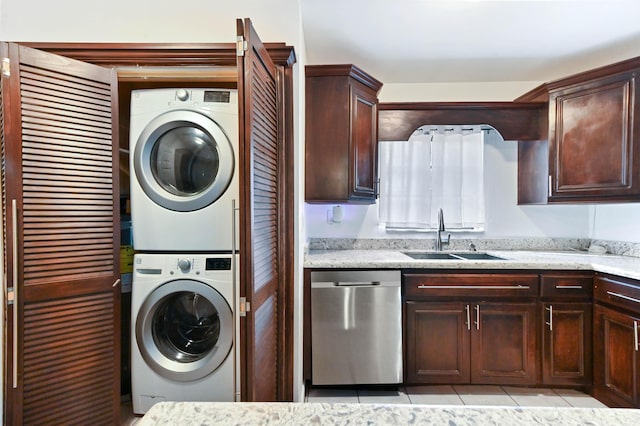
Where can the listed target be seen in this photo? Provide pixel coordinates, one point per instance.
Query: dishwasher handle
(355, 284)
(333, 284)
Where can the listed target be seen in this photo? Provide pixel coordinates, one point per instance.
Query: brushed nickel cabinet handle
(476, 287)
(569, 287)
(234, 296)
(550, 323)
(622, 296)
(14, 251)
(468, 317)
(477, 308)
(635, 335)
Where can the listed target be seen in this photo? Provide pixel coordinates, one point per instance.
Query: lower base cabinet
(616, 357)
(566, 344)
(476, 342)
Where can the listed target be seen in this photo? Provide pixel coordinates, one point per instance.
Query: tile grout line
(510, 397)
(563, 398)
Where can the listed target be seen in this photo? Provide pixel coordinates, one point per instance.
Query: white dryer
(184, 169)
(182, 329)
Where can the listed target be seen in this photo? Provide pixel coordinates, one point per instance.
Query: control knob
(184, 265)
(182, 94)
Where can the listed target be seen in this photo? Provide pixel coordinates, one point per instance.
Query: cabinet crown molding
(343, 70)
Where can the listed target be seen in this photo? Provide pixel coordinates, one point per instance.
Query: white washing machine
(184, 169)
(183, 329)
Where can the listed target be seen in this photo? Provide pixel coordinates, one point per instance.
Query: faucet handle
(446, 243)
(472, 247)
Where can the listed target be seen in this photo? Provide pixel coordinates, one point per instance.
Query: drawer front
(567, 286)
(622, 293)
(470, 285)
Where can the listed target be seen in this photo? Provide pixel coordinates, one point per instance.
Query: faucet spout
(439, 242)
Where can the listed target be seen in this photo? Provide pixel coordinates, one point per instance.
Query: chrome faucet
(439, 242)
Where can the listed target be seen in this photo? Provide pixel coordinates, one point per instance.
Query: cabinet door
(437, 343)
(503, 344)
(616, 357)
(566, 343)
(60, 181)
(594, 141)
(363, 141)
(266, 364)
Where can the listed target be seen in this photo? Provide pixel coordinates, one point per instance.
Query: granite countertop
(625, 266)
(285, 413)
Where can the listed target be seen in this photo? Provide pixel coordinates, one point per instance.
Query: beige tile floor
(459, 395)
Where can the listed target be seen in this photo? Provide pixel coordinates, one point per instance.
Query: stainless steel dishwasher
(356, 327)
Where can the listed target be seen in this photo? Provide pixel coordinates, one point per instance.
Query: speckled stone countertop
(625, 266)
(283, 413)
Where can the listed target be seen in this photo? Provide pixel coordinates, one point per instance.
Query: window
(438, 167)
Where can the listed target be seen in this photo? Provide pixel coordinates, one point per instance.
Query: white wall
(504, 218)
(456, 92)
(186, 21)
(617, 222)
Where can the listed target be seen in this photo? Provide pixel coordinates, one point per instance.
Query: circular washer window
(184, 330)
(183, 160)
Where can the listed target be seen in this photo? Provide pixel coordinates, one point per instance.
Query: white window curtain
(438, 167)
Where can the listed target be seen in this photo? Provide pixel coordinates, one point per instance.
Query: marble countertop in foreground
(284, 413)
(626, 266)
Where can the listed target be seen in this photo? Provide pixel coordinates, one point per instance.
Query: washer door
(183, 160)
(184, 330)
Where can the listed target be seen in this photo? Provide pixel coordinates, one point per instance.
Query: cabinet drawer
(470, 285)
(567, 286)
(618, 292)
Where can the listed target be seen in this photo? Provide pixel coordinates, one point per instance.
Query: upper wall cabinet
(341, 134)
(594, 138)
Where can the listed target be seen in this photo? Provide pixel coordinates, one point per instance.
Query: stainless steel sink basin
(429, 255)
(477, 256)
(436, 255)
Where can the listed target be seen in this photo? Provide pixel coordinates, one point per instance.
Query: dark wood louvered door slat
(261, 181)
(61, 171)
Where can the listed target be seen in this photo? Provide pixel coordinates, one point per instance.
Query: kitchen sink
(431, 255)
(428, 255)
(477, 256)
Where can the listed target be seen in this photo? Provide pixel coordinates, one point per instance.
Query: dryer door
(184, 330)
(183, 160)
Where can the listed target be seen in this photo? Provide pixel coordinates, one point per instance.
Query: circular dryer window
(184, 330)
(183, 160)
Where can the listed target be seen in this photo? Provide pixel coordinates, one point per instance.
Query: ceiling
(419, 41)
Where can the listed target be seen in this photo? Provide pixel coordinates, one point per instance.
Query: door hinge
(244, 307)
(241, 46)
(10, 296)
(6, 67)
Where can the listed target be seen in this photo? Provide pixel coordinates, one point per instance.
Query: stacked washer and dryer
(184, 186)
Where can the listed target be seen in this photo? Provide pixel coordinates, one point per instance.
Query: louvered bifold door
(62, 242)
(260, 151)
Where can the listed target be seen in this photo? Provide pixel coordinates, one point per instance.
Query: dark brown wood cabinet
(593, 146)
(437, 342)
(488, 337)
(566, 343)
(593, 140)
(341, 134)
(566, 321)
(503, 345)
(616, 341)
